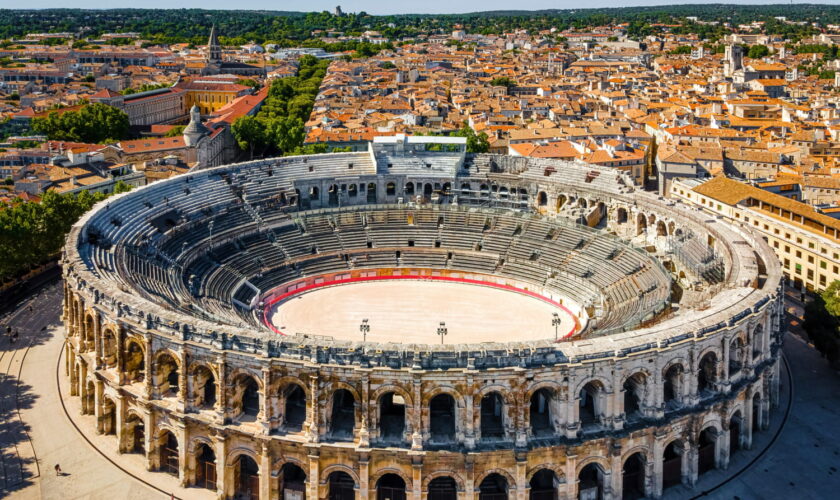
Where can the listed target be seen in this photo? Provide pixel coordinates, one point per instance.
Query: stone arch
(166, 379)
(376, 476)
(428, 478)
(110, 345)
(328, 470)
(605, 383)
(641, 223)
(248, 395)
(460, 402)
(558, 470)
(542, 199)
(511, 483)
(238, 451)
(385, 389)
(635, 387)
(621, 215)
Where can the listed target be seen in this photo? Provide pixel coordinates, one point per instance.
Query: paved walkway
(802, 464)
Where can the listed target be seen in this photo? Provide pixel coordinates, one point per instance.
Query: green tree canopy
(93, 123)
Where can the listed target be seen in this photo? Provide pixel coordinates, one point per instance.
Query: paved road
(802, 464)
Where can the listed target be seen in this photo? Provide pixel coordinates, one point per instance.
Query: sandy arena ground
(411, 311)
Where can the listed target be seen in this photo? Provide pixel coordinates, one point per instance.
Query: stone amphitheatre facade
(671, 367)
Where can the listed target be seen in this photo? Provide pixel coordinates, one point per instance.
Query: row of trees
(192, 25)
(278, 128)
(822, 322)
(33, 233)
(93, 123)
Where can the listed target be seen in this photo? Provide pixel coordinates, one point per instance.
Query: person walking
(57, 470)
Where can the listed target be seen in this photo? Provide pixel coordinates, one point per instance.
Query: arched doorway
(633, 477)
(247, 398)
(540, 414)
(543, 485)
(136, 435)
(295, 408)
(246, 478)
(443, 488)
(706, 374)
(205, 388)
(590, 403)
(542, 199)
(390, 487)
(392, 417)
(342, 421)
(442, 418)
(734, 433)
(672, 465)
(591, 483)
(756, 412)
(641, 224)
(371, 193)
(205, 467)
(168, 449)
(90, 398)
(292, 482)
(166, 376)
(332, 195)
(634, 391)
(341, 486)
(135, 364)
(427, 192)
(672, 387)
(492, 420)
(707, 445)
(493, 487)
(621, 216)
(109, 417)
(390, 189)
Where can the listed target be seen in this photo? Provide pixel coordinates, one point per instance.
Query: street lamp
(442, 331)
(555, 322)
(364, 328)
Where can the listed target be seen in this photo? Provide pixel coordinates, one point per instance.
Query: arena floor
(409, 311)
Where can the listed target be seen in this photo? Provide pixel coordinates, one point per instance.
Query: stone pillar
(571, 477)
(149, 441)
(722, 447)
(150, 368)
(185, 472)
(417, 478)
(364, 476)
(311, 428)
(573, 417)
(469, 479)
(221, 390)
(265, 470)
(469, 435)
(655, 464)
(521, 476)
(691, 464)
(314, 476)
(266, 416)
(221, 466)
(747, 423)
(724, 380)
(119, 422)
(97, 406)
(182, 379)
(417, 418)
(120, 347)
(615, 483)
(97, 339)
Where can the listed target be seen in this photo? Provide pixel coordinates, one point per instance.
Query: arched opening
(166, 379)
(465, 189)
(707, 450)
(621, 216)
(641, 224)
(427, 192)
(492, 420)
(543, 485)
(390, 189)
(392, 417)
(672, 465)
(353, 191)
(757, 341)
(735, 433)
(590, 403)
(313, 193)
(442, 418)
(89, 332)
(340, 486)
(409, 189)
(90, 398)
(292, 482)
(390, 487)
(561, 200)
(248, 392)
(109, 349)
(493, 487)
(205, 467)
(540, 413)
(672, 387)
(542, 199)
(168, 449)
(591, 483)
(443, 488)
(205, 388)
(661, 230)
(135, 363)
(634, 392)
(371, 192)
(736, 355)
(756, 412)
(484, 190)
(582, 203)
(332, 195)
(633, 477)
(671, 227)
(706, 374)
(246, 478)
(108, 420)
(343, 415)
(295, 408)
(135, 432)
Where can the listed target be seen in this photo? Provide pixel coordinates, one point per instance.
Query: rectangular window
(823, 265)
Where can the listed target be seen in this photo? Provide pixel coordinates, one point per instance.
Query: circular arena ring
(416, 321)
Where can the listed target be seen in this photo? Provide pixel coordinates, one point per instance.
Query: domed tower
(195, 130)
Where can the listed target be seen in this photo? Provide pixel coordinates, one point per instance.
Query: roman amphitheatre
(413, 321)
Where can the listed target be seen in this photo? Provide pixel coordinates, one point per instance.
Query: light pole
(442, 331)
(364, 328)
(555, 322)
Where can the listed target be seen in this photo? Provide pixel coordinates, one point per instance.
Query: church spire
(214, 50)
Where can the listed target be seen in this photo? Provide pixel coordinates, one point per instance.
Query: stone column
(691, 465)
(469, 434)
(722, 447)
(417, 421)
(657, 471)
(119, 422)
(724, 379)
(314, 476)
(469, 479)
(615, 483)
(149, 442)
(571, 477)
(521, 476)
(148, 379)
(221, 390)
(747, 423)
(182, 379)
(266, 416)
(185, 472)
(417, 478)
(97, 406)
(221, 466)
(364, 476)
(265, 470)
(311, 427)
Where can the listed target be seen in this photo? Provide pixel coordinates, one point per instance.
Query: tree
(93, 123)
(502, 81)
(249, 133)
(121, 187)
(822, 320)
(175, 131)
(476, 143)
(758, 51)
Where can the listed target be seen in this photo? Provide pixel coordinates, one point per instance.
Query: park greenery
(278, 127)
(144, 88)
(822, 322)
(32, 233)
(92, 123)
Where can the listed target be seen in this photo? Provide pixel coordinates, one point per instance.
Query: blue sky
(372, 6)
